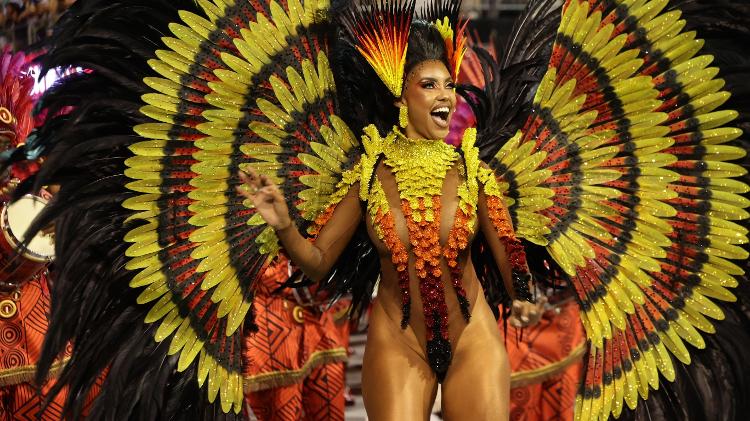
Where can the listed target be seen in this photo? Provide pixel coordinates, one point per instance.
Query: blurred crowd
(25, 22)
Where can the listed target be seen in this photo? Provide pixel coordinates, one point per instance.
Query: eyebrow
(432, 79)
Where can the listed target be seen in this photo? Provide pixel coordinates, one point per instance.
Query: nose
(446, 94)
(443, 93)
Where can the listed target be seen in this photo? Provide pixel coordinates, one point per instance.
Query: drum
(17, 263)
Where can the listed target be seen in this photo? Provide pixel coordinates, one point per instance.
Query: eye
(451, 85)
(428, 85)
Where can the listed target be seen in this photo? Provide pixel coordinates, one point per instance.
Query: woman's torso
(389, 291)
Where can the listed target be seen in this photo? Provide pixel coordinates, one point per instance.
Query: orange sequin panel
(400, 259)
(425, 240)
(322, 220)
(458, 240)
(513, 248)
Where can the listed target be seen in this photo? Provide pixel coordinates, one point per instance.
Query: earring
(403, 116)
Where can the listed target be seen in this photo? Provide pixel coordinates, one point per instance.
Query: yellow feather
(181, 337)
(142, 249)
(143, 262)
(213, 253)
(212, 215)
(147, 277)
(155, 132)
(648, 11)
(189, 352)
(631, 388)
(212, 11)
(166, 70)
(619, 386)
(174, 60)
(579, 410)
(698, 320)
(160, 309)
(632, 290)
(180, 47)
(664, 362)
(205, 365)
(714, 276)
(154, 291)
(686, 331)
(168, 325)
(231, 301)
(237, 316)
(147, 148)
(614, 313)
(705, 306)
(214, 381)
(197, 23)
(225, 397)
(675, 345)
(592, 328)
(716, 292)
(720, 135)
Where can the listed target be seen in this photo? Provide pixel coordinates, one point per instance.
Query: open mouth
(440, 116)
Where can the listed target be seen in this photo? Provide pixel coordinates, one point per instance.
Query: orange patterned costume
(21, 337)
(546, 366)
(294, 366)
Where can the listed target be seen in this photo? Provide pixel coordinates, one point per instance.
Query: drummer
(24, 293)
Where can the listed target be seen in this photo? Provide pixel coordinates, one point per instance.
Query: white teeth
(441, 110)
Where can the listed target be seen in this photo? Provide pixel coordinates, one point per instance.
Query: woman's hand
(526, 314)
(267, 199)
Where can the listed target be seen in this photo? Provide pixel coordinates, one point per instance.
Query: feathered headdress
(15, 98)
(380, 31)
(445, 15)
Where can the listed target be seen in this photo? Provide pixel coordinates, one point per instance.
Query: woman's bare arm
(495, 223)
(314, 259)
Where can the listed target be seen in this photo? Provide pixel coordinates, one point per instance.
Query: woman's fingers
(251, 178)
(515, 314)
(242, 190)
(524, 314)
(251, 184)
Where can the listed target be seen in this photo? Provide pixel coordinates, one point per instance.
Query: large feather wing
(242, 87)
(621, 172)
(179, 103)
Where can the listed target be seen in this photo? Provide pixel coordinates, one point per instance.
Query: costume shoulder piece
(174, 107)
(621, 172)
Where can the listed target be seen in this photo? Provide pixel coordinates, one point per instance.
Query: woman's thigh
(477, 385)
(397, 382)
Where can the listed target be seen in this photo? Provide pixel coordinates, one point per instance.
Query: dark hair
(363, 97)
(425, 44)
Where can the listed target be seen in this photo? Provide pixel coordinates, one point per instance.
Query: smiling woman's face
(430, 98)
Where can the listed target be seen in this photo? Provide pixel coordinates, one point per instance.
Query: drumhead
(16, 219)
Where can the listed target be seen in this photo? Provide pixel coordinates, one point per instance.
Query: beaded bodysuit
(419, 168)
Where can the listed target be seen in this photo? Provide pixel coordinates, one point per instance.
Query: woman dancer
(423, 204)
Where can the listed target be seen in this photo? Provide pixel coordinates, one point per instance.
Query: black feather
(511, 80)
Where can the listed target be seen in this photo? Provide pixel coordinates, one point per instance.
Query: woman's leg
(477, 386)
(397, 382)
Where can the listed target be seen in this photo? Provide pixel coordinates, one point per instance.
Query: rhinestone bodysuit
(419, 168)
